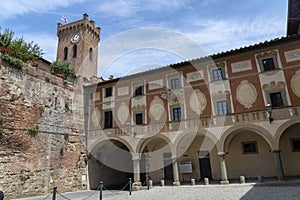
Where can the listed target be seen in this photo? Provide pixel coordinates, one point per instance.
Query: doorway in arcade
(198, 158)
(110, 162)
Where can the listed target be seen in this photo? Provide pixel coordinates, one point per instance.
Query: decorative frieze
(241, 66)
(194, 76)
(156, 84)
(123, 91)
(291, 56)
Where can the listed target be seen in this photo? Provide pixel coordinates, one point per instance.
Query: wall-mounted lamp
(269, 111)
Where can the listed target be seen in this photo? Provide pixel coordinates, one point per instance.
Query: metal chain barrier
(47, 197)
(63, 196)
(123, 188)
(100, 187)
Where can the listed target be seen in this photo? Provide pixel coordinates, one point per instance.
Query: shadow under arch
(280, 131)
(208, 136)
(230, 133)
(155, 159)
(96, 144)
(143, 143)
(110, 161)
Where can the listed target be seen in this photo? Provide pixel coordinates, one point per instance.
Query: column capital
(221, 154)
(174, 157)
(136, 156)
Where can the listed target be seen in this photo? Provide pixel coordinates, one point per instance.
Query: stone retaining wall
(32, 164)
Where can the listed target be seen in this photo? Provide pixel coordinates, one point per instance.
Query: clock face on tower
(76, 37)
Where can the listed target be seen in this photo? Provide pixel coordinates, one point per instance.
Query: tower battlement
(81, 25)
(78, 45)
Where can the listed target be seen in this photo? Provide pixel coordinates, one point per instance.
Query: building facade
(214, 116)
(220, 117)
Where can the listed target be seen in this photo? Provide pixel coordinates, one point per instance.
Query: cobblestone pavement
(215, 192)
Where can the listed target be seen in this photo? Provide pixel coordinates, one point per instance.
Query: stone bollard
(150, 183)
(162, 183)
(193, 182)
(242, 179)
(206, 181)
(260, 178)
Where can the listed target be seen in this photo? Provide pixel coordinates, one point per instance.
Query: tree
(6, 37)
(18, 48)
(18, 51)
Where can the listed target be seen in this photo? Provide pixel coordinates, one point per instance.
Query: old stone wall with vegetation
(42, 143)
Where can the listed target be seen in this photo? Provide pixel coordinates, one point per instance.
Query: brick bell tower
(78, 45)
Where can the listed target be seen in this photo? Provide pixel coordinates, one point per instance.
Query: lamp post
(269, 111)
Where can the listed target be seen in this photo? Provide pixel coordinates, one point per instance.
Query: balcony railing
(195, 124)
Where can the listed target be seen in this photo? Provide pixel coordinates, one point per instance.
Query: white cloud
(124, 8)
(11, 8)
(227, 34)
(214, 36)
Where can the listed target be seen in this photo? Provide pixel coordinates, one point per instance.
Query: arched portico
(198, 151)
(110, 161)
(289, 148)
(248, 152)
(156, 159)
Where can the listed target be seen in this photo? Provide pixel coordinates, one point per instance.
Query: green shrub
(41, 110)
(47, 79)
(15, 62)
(61, 151)
(62, 69)
(33, 131)
(66, 106)
(1, 132)
(66, 136)
(6, 37)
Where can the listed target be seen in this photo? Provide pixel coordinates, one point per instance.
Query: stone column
(278, 164)
(136, 176)
(175, 171)
(224, 177)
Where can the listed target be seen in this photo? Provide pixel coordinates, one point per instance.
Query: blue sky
(215, 25)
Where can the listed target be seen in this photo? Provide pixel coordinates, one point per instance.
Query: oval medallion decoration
(295, 83)
(246, 94)
(157, 108)
(123, 113)
(198, 101)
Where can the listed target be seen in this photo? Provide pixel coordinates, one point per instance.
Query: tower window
(74, 51)
(65, 53)
(91, 54)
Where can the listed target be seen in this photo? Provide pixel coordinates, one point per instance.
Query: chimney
(85, 16)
